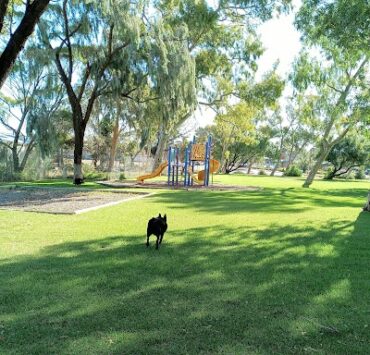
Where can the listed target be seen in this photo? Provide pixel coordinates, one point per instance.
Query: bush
(262, 172)
(6, 174)
(328, 174)
(360, 174)
(122, 176)
(293, 171)
(95, 175)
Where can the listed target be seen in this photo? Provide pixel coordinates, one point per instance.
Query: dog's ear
(165, 218)
(159, 216)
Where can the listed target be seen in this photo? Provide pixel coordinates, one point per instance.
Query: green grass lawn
(284, 270)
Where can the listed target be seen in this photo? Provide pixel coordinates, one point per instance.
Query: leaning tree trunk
(162, 141)
(367, 204)
(250, 167)
(275, 167)
(323, 154)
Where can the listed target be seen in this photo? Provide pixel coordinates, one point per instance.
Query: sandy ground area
(59, 200)
(163, 185)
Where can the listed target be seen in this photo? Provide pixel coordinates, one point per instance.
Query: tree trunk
(250, 167)
(323, 154)
(162, 141)
(78, 149)
(275, 167)
(62, 165)
(367, 204)
(19, 37)
(290, 159)
(29, 149)
(16, 166)
(113, 148)
(330, 176)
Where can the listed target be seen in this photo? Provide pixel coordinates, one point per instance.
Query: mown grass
(283, 270)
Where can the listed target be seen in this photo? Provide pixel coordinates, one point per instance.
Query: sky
(281, 42)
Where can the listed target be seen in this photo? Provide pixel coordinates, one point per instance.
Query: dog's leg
(156, 246)
(161, 237)
(147, 240)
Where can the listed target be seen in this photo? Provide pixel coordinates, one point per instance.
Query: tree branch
(68, 41)
(20, 36)
(84, 81)
(7, 125)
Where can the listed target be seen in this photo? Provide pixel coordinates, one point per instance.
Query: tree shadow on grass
(212, 290)
(288, 200)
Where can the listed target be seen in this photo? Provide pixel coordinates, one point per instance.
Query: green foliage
(262, 172)
(342, 22)
(293, 170)
(329, 173)
(352, 151)
(360, 174)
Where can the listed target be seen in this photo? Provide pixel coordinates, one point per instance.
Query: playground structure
(185, 173)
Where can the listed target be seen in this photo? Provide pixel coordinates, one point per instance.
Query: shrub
(329, 174)
(360, 174)
(293, 171)
(95, 175)
(262, 172)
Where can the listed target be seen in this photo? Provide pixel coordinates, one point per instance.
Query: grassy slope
(283, 270)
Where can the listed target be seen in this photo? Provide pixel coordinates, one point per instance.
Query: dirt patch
(163, 185)
(61, 200)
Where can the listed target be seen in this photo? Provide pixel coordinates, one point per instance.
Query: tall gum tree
(341, 29)
(87, 39)
(223, 42)
(32, 97)
(97, 47)
(342, 96)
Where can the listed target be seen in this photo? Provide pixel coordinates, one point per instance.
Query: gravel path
(55, 200)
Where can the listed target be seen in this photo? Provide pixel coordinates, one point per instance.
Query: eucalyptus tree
(222, 39)
(31, 98)
(86, 39)
(235, 126)
(14, 40)
(99, 48)
(174, 83)
(353, 151)
(345, 23)
(279, 131)
(339, 77)
(341, 93)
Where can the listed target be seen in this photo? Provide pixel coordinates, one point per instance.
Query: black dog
(156, 226)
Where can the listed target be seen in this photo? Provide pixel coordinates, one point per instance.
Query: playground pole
(177, 166)
(209, 147)
(186, 166)
(192, 164)
(169, 166)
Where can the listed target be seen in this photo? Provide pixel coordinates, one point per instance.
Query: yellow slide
(214, 165)
(155, 173)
